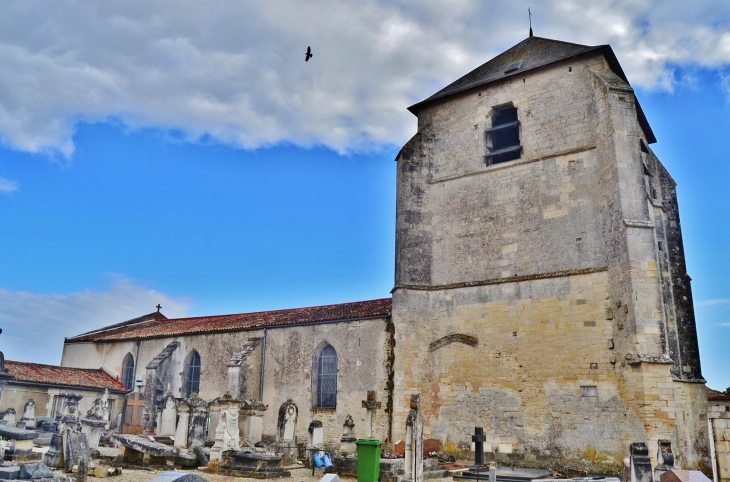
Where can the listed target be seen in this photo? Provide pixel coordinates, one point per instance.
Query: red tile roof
(243, 321)
(715, 396)
(63, 376)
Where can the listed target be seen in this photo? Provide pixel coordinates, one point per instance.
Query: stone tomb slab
(21, 440)
(136, 447)
(247, 464)
(683, 476)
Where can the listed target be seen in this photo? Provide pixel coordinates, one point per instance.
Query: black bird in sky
(309, 54)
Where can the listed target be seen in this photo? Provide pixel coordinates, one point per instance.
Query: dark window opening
(503, 138)
(128, 371)
(192, 374)
(643, 146)
(326, 363)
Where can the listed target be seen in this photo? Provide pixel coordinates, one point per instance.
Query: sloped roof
(36, 373)
(530, 54)
(243, 321)
(715, 396)
(155, 315)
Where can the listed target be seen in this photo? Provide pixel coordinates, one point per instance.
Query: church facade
(540, 288)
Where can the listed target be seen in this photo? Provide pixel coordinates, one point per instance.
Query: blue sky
(193, 158)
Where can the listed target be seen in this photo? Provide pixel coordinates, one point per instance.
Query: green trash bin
(368, 459)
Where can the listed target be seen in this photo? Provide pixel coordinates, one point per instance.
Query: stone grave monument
(183, 422)
(227, 435)
(640, 464)
(198, 420)
(413, 470)
(9, 418)
(665, 459)
(28, 418)
(371, 404)
(251, 421)
(167, 417)
(94, 423)
(348, 439)
(316, 433)
(286, 445)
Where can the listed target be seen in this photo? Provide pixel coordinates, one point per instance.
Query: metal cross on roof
(159, 307)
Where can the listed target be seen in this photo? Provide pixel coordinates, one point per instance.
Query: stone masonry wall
(552, 262)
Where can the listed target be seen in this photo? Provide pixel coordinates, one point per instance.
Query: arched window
(325, 368)
(192, 374)
(128, 371)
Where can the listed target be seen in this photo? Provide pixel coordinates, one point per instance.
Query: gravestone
(664, 457)
(227, 436)
(28, 418)
(288, 413)
(69, 416)
(478, 471)
(348, 439)
(198, 420)
(75, 449)
(286, 429)
(54, 456)
(371, 404)
(251, 421)
(94, 423)
(316, 433)
(168, 417)
(183, 422)
(413, 469)
(8, 417)
(640, 463)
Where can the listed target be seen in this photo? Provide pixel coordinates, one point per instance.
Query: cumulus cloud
(34, 325)
(235, 72)
(8, 186)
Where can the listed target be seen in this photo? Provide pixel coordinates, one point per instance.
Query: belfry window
(325, 363)
(192, 374)
(503, 139)
(128, 371)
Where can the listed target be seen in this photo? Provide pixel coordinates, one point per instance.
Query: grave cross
(372, 405)
(478, 438)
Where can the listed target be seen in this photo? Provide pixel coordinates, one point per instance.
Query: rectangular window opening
(588, 391)
(503, 138)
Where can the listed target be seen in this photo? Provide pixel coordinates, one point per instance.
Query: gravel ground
(129, 475)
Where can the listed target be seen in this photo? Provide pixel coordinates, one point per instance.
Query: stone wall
(362, 349)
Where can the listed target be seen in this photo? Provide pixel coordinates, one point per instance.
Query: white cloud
(7, 185)
(714, 302)
(235, 72)
(34, 325)
(724, 324)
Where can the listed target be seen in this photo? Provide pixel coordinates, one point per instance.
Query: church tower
(540, 284)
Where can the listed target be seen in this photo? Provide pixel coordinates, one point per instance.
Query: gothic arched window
(325, 368)
(192, 374)
(128, 371)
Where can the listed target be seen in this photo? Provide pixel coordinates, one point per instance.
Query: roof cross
(159, 307)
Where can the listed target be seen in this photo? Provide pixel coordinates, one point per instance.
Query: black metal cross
(159, 307)
(478, 438)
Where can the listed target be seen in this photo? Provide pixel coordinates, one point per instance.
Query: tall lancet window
(128, 371)
(325, 364)
(192, 374)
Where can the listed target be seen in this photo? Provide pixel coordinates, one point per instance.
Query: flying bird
(309, 54)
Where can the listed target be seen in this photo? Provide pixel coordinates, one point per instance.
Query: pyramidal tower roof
(530, 54)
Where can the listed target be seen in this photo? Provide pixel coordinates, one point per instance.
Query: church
(540, 289)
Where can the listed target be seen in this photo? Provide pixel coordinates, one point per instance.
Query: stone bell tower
(540, 285)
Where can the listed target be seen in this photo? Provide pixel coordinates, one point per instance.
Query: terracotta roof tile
(715, 396)
(55, 375)
(243, 321)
